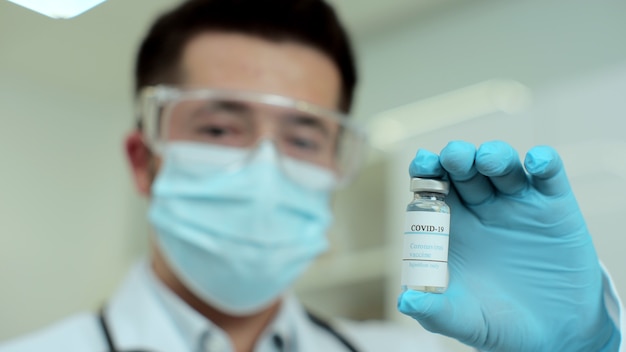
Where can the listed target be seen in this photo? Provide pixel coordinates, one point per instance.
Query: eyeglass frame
(154, 97)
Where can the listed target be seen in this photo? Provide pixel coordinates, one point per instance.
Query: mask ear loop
(152, 163)
(152, 167)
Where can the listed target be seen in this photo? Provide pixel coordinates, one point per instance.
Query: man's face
(231, 61)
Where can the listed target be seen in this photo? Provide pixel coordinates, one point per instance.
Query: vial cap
(429, 185)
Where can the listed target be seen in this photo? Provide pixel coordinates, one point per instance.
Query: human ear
(141, 162)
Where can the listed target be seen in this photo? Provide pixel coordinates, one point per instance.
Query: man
(242, 138)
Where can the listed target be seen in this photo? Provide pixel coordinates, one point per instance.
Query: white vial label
(425, 249)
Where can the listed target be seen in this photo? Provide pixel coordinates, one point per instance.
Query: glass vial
(426, 235)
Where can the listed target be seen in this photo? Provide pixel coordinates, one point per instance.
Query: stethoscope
(278, 342)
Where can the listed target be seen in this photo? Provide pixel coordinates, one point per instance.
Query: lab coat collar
(191, 325)
(136, 318)
(145, 315)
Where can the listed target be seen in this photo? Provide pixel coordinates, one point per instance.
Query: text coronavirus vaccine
(426, 237)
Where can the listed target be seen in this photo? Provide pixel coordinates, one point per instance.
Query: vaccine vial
(426, 235)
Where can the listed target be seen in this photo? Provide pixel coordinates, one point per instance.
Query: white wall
(70, 222)
(534, 41)
(68, 216)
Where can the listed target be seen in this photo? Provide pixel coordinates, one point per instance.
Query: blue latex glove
(524, 275)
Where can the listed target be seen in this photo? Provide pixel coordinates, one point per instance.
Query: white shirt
(145, 316)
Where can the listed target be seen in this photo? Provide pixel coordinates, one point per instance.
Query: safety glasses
(240, 121)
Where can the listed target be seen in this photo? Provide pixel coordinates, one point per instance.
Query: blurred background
(527, 72)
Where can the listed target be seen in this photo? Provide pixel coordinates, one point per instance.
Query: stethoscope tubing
(106, 331)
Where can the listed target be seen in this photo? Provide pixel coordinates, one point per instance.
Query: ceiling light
(59, 8)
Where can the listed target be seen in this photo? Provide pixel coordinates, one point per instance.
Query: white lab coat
(138, 321)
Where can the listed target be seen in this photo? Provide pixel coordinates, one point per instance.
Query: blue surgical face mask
(237, 238)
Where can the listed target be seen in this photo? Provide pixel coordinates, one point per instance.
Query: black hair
(310, 22)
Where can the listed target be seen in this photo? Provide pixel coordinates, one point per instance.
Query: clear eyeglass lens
(297, 134)
(321, 140)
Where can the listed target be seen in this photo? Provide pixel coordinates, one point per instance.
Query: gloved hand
(524, 275)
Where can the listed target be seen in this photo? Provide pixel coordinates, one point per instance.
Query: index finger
(426, 164)
(457, 158)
